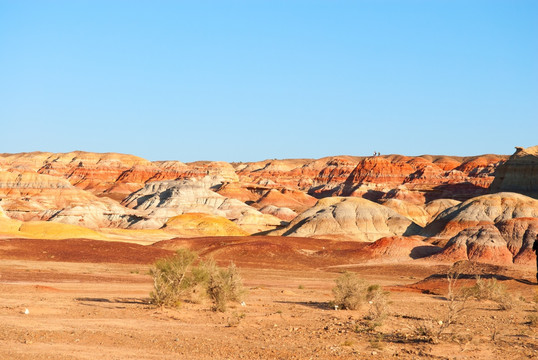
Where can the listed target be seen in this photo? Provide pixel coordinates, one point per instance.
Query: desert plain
(79, 233)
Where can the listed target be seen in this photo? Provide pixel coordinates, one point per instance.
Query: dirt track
(89, 301)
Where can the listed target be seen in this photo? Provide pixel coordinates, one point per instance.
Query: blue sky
(251, 80)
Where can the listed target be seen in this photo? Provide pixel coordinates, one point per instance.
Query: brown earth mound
(80, 250)
(269, 251)
(399, 248)
(465, 273)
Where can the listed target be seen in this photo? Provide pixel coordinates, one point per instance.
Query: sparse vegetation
(176, 278)
(425, 331)
(172, 278)
(378, 300)
(491, 290)
(349, 292)
(224, 285)
(457, 296)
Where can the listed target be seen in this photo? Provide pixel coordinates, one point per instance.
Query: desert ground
(88, 299)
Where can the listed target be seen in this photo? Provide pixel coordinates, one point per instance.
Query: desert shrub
(378, 300)
(223, 285)
(172, 278)
(491, 290)
(457, 296)
(349, 292)
(177, 277)
(425, 331)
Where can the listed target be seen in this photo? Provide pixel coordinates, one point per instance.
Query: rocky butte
(481, 208)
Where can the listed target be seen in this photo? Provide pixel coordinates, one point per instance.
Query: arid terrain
(79, 233)
(85, 303)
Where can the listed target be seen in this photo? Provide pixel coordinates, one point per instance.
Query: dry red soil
(90, 300)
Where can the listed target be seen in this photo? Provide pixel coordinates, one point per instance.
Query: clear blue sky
(251, 80)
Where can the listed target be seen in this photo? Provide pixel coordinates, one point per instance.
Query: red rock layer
(416, 179)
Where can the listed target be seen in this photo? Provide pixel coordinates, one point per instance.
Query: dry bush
(172, 278)
(457, 296)
(349, 292)
(223, 285)
(491, 290)
(425, 331)
(176, 278)
(378, 300)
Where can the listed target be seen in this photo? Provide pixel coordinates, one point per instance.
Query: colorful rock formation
(30, 196)
(497, 228)
(116, 192)
(518, 174)
(162, 200)
(349, 219)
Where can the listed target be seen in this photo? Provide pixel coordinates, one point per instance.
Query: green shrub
(172, 278)
(223, 285)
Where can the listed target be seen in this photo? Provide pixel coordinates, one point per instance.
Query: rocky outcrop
(483, 210)
(378, 170)
(518, 174)
(293, 199)
(421, 179)
(520, 234)
(86, 189)
(32, 196)
(283, 213)
(247, 193)
(415, 179)
(483, 243)
(413, 212)
(162, 200)
(350, 219)
(278, 173)
(497, 228)
(332, 175)
(435, 207)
